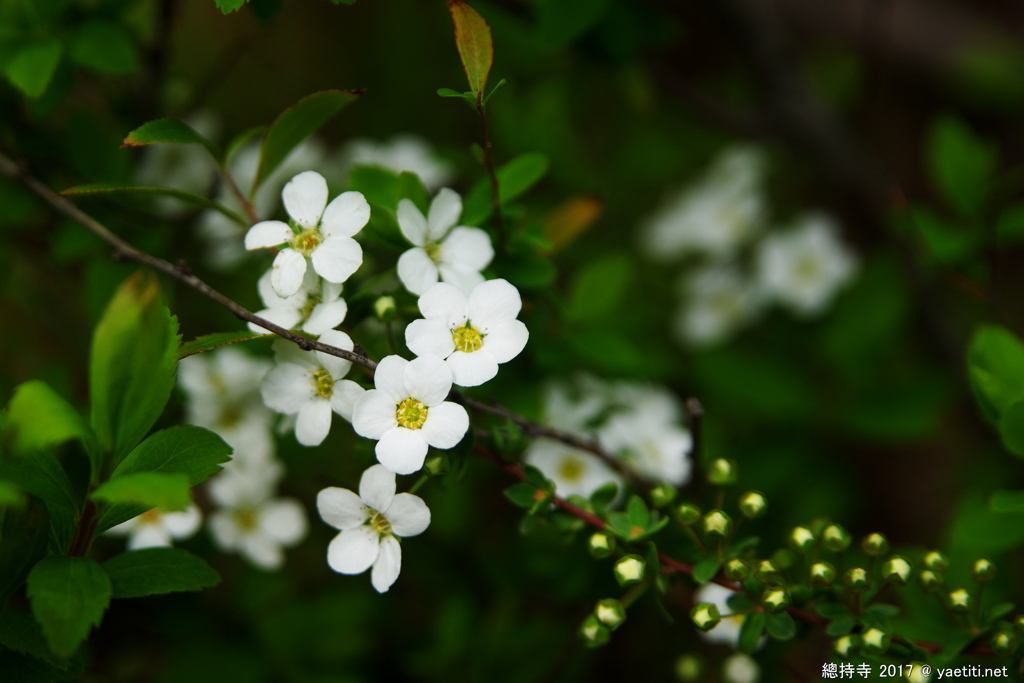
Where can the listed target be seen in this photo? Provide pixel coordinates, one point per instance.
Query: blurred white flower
(186, 167)
(156, 527)
(727, 632)
(717, 301)
(369, 523)
(805, 267)
(740, 668)
(400, 153)
(472, 334)
(315, 308)
(456, 255)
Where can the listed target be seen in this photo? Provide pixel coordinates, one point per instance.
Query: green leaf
(950, 244)
(39, 418)
(208, 342)
(378, 184)
(104, 47)
(1011, 428)
(562, 21)
(134, 360)
(751, 632)
(831, 610)
(841, 625)
(523, 495)
(781, 626)
(68, 596)
(168, 130)
(514, 178)
(23, 537)
(599, 288)
(411, 187)
(41, 475)
(10, 495)
(604, 495)
(296, 124)
(637, 511)
(739, 602)
(995, 364)
(32, 68)
(149, 489)
(706, 569)
(183, 195)
(20, 632)
(240, 141)
(229, 6)
(1007, 501)
(152, 571)
(961, 164)
(473, 39)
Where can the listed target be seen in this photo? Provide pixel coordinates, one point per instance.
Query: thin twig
(499, 222)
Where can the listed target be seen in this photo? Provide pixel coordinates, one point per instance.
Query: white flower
(250, 520)
(310, 384)
(325, 235)
(456, 254)
(401, 153)
(472, 334)
(718, 302)
(727, 632)
(575, 472)
(716, 215)
(157, 528)
(646, 432)
(407, 412)
(369, 524)
(740, 668)
(222, 387)
(315, 308)
(806, 266)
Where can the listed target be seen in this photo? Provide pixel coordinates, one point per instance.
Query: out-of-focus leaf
(473, 39)
(103, 47)
(167, 130)
(781, 626)
(229, 6)
(995, 364)
(10, 495)
(599, 288)
(561, 21)
(168, 491)
(31, 69)
(706, 569)
(68, 596)
(39, 418)
(208, 342)
(1007, 501)
(949, 244)
(183, 195)
(21, 633)
(751, 631)
(1011, 427)
(514, 178)
(378, 184)
(23, 536)
(152, 571)
(40, 474)
(571, 219)
(961, 164)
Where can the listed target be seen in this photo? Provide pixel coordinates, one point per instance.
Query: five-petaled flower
(472, 334)
(323, 233)
(315, 308)
(407, 412)
(156, 527)
(369, 523)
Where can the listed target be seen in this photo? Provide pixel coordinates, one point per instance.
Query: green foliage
(598, 288)
(751, 631)
(229, 6)
(68, 596)
(103, 47)
(168, 130)
(41, 475)
(514, 178)
(185, 196)
(961, 164)
(995, 364)
(706, 569)
(153, 571)
(21, 633)
(561, 21)
(208, 342)
(23, 539)
(1007, 501)
(168, 491)
(38, 418)
(781, 626)
(473, 40)
(33, 66)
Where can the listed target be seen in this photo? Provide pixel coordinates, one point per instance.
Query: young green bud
(385, 309)
(434, 465)
(835, 538)
(663, 495)
(983, 570)
(737, 570)
(960, 600)
(594, 633)
(765, 572)
(936, 561)
(896, 570)
(753, 504)
(1018, 624)
(705, 616)
(875, 545)
(846, 645)
(801, 539)
(687, 668)
(717, 523)
(775, 599)
(930, 581)
(722, 472)
(630, 569)
(601, 545)
(876, 641)
(856, 579)
(822, 574)
(688, 514)
(1004, 642)
(610, 612)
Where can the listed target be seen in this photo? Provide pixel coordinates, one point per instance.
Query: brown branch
(499, 222)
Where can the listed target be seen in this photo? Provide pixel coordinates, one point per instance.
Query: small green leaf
(296, 124)
(208, 342)
(32, 68)
(378, 184)
(41, 475)
(637, 511)
(995, 363)
(751, 631)
(998, 611)
(146, 489)
(39, 418)
(473, 39)
(182, 195)
(706, 569)
(153, 571)
(739, 602)
(20, 632)
(104, 47)
(514, 178)
(23, 537)
(781, 626)
(841, 625)
(831, 610)
(168, 130)
(448, 92)
(10, 495)
(961, 164)
(523, 495)
(1011, 427)
(1007, 501)
(68, 596)
(599, 288)
(604, 495)
(229, 6)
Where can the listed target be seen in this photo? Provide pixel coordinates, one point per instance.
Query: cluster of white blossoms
(637, 423)
(742, 268)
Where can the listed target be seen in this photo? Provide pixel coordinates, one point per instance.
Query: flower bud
(765, 572)
(875, 545)
(601, 545)
(856, 579)
(960, 600)
(822, 574)
(663, 495)
(687, 668)
(1004, 642)
(896, 570)
(846, 645)
(688, 514)
(775, 599)
(1018, 624)
(717, 523)
(936, 561)
(630, 569)
(835, 538)
(385, 308)
(983, 570)
(705, 616)
(737, 570)
(753, 504)
(593, 632)
(930, 581)
(610, 612)
(801, 539)
(722, 472)
(876, 641)
(434, 465)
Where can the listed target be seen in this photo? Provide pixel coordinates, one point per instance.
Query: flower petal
(377, 487)
(472, 369)
(284, 519)
(268, 234)
(314, 422)
(446, 424)
(389, 377)
(353, 551)
(408, 515)
(262, 550)
(284, 317)
(288, 269)
(402, 450)
(416, 271)
(374, 414)
(286, 388)
(148, 536)
(470, 247)
(341, 508)
(412, 223)
(429, 338)
(305, 197)
(183, 524)
(226, 534)
(463, 277)
(337, 258)
(446, 304)
(325, 316)
(428, 379)
(345, 396)
(506, 340)
(345, 215)
(492, 303)
(445, 210)
(338, 367)
(388, 564)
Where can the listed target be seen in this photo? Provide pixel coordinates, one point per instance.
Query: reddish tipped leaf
(473, 38)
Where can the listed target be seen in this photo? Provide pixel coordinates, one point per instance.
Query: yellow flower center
(380, 524)
(467, 338)
(312, 301)
(150, 517)
(433, 250)
(323, 383)
(570, 469)
(246, 518)
(306, 241)
(411, 414)
(807, 270)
